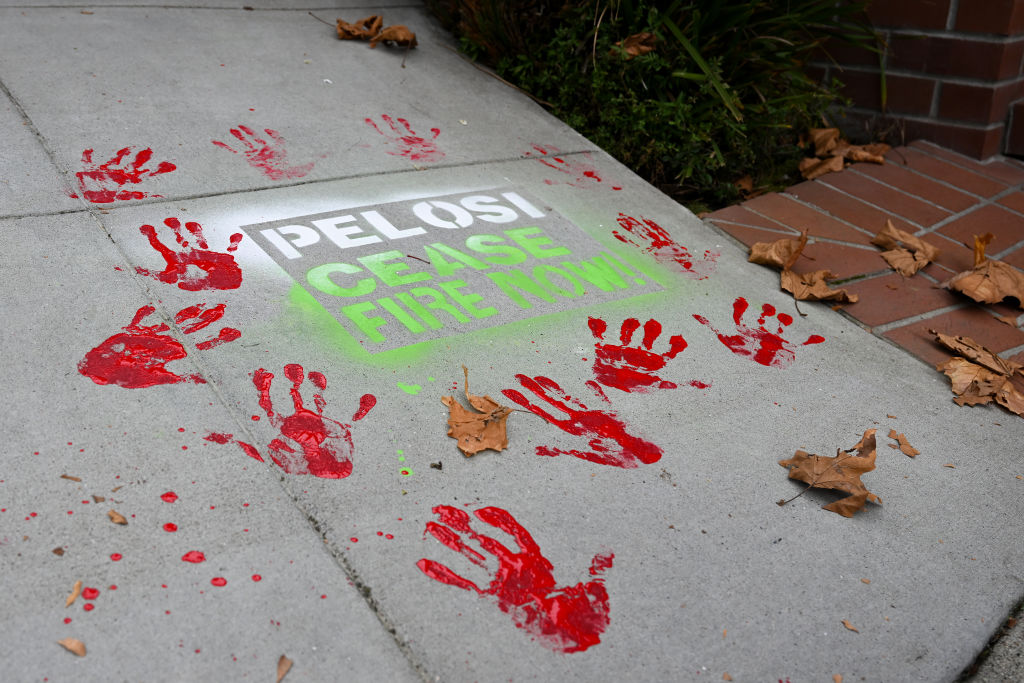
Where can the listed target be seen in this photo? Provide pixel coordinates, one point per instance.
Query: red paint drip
(563, 618)
(266, 154)
(653, 239)
(116, 557)
(406, 142)
(169, 497)
(759, 344)
(105, 183)
(632, 368)
(88, 607)
(218, 581)
(170, 527)
(814, 339)
(216, 270)
(366, 403)
(583, 173)
(67, 620)
(193, 556)
(217, 437)
(605, 432)
(90, 593)
(112, 587)
(257, 577)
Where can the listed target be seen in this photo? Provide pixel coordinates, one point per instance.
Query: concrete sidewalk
(244, 262)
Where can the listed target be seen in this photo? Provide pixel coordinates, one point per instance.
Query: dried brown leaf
(726, 676)
(68, 476)
(973, 351)
(780, 254)
(891, 417)
(824, 140)
(950, 465)
(811, 168)
(98, 499)
(847, 624)
(479, 429)
(812, 287)
(988, 281)
(396, 35)
(865, 580)
(904, 445)
(284, 665)
(58, 551)
(837, 678)
(841, 473)
(891, 237)
(73, 645)
(76, 590)
(874, 153)
(116, 517)
(364, 29)
(1007, 319)
(976, 385)
(637, 44)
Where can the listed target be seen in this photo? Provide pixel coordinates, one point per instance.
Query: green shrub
(725, 93)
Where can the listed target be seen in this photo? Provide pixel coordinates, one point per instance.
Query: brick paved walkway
(926, 190)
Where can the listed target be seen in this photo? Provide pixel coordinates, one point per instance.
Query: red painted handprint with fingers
(632, 368)
(583, 174)
(137, 357)
(216, 270)
(324, 445)
(761, 345)
(655, 240)
(406, 142)
(267, 155)
(105, 183)
(563, 618)
(610, 443)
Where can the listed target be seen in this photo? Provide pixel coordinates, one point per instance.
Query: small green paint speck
(410, 388)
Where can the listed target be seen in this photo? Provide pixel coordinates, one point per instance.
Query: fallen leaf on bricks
(116, 517)
(479, 429)
(812, 287)
(904, 445)
(824, 140)
(850, 626)
(76, 590)
(781, 254)
(831, 151)
(873, 153)
(73, 645)
(841, 473)
(811, 168)
(988, 378)
(989, 281)
(364, 29)
(284, 665)
(636, 45)
(973, 351)
(905, 253)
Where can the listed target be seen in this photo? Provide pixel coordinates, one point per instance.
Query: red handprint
(583, 174)
(219, 270)
(767, 348)
(564, 618)
(610, 442)
(632, 368)
(267, 155)
(137, 357)
(408, 144)
(655, 240)
(326, 444)
(99, 183)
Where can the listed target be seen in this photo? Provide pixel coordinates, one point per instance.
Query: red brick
(749, 236)
(908, 52)
(917, 185)
(1015, 134)
(909, 95)
(844, 261)
(976, 103)
(988, 60)
(968, 181)
(980, 142)
(1008, 227)
(863, 88)
(880, 195)
(953, 257)
(849, 55)
(1014, 201)
(737, 214)
(893, 297)
(1015, 258)
(849, 209)
(995, 169)
(970, 321)
(787, 210)
(1002, 17)
(927, 14)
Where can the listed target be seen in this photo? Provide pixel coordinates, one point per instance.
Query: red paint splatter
(563, 618)
(655, 240)
(169, 497)
(90, 593)
(267, 155)
(88, 607)
(257, 577)
(584, 174)
(609, 441)
(354, 539)
(761, 345)
(218, 581)
(632, 368)
(67, 620)
(217, 270)
(407, 144)
(217, 437)
(366, 404)
(170, 527)
(112, 587)
(193, 556)
(104, 183)
(116, 557)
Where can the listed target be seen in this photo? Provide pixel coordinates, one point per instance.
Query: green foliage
(725, 93)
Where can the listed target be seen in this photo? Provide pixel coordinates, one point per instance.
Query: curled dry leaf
(479, 429)
(950, 465)
(905, 253)
(831, 150)
(58, 551)
(76, 590)
(781, 254)
(824, 140)
(637, 44)
(989, 281)
(847, 624)
(904, 445)
(811, 168)
(73, 645)
(364, 29)
(812, 287)
(116, 517)
(68, 476)
(98, 499)
(873, 153)
(841, 473)
(837, 678)
(981, 376)
(396, 35)
(973, 351)
(284, 665)
(726, 676)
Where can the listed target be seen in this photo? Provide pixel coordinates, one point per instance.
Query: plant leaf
(841, 473)
(479, 429)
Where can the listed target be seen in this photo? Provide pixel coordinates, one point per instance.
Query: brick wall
(954, 74)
